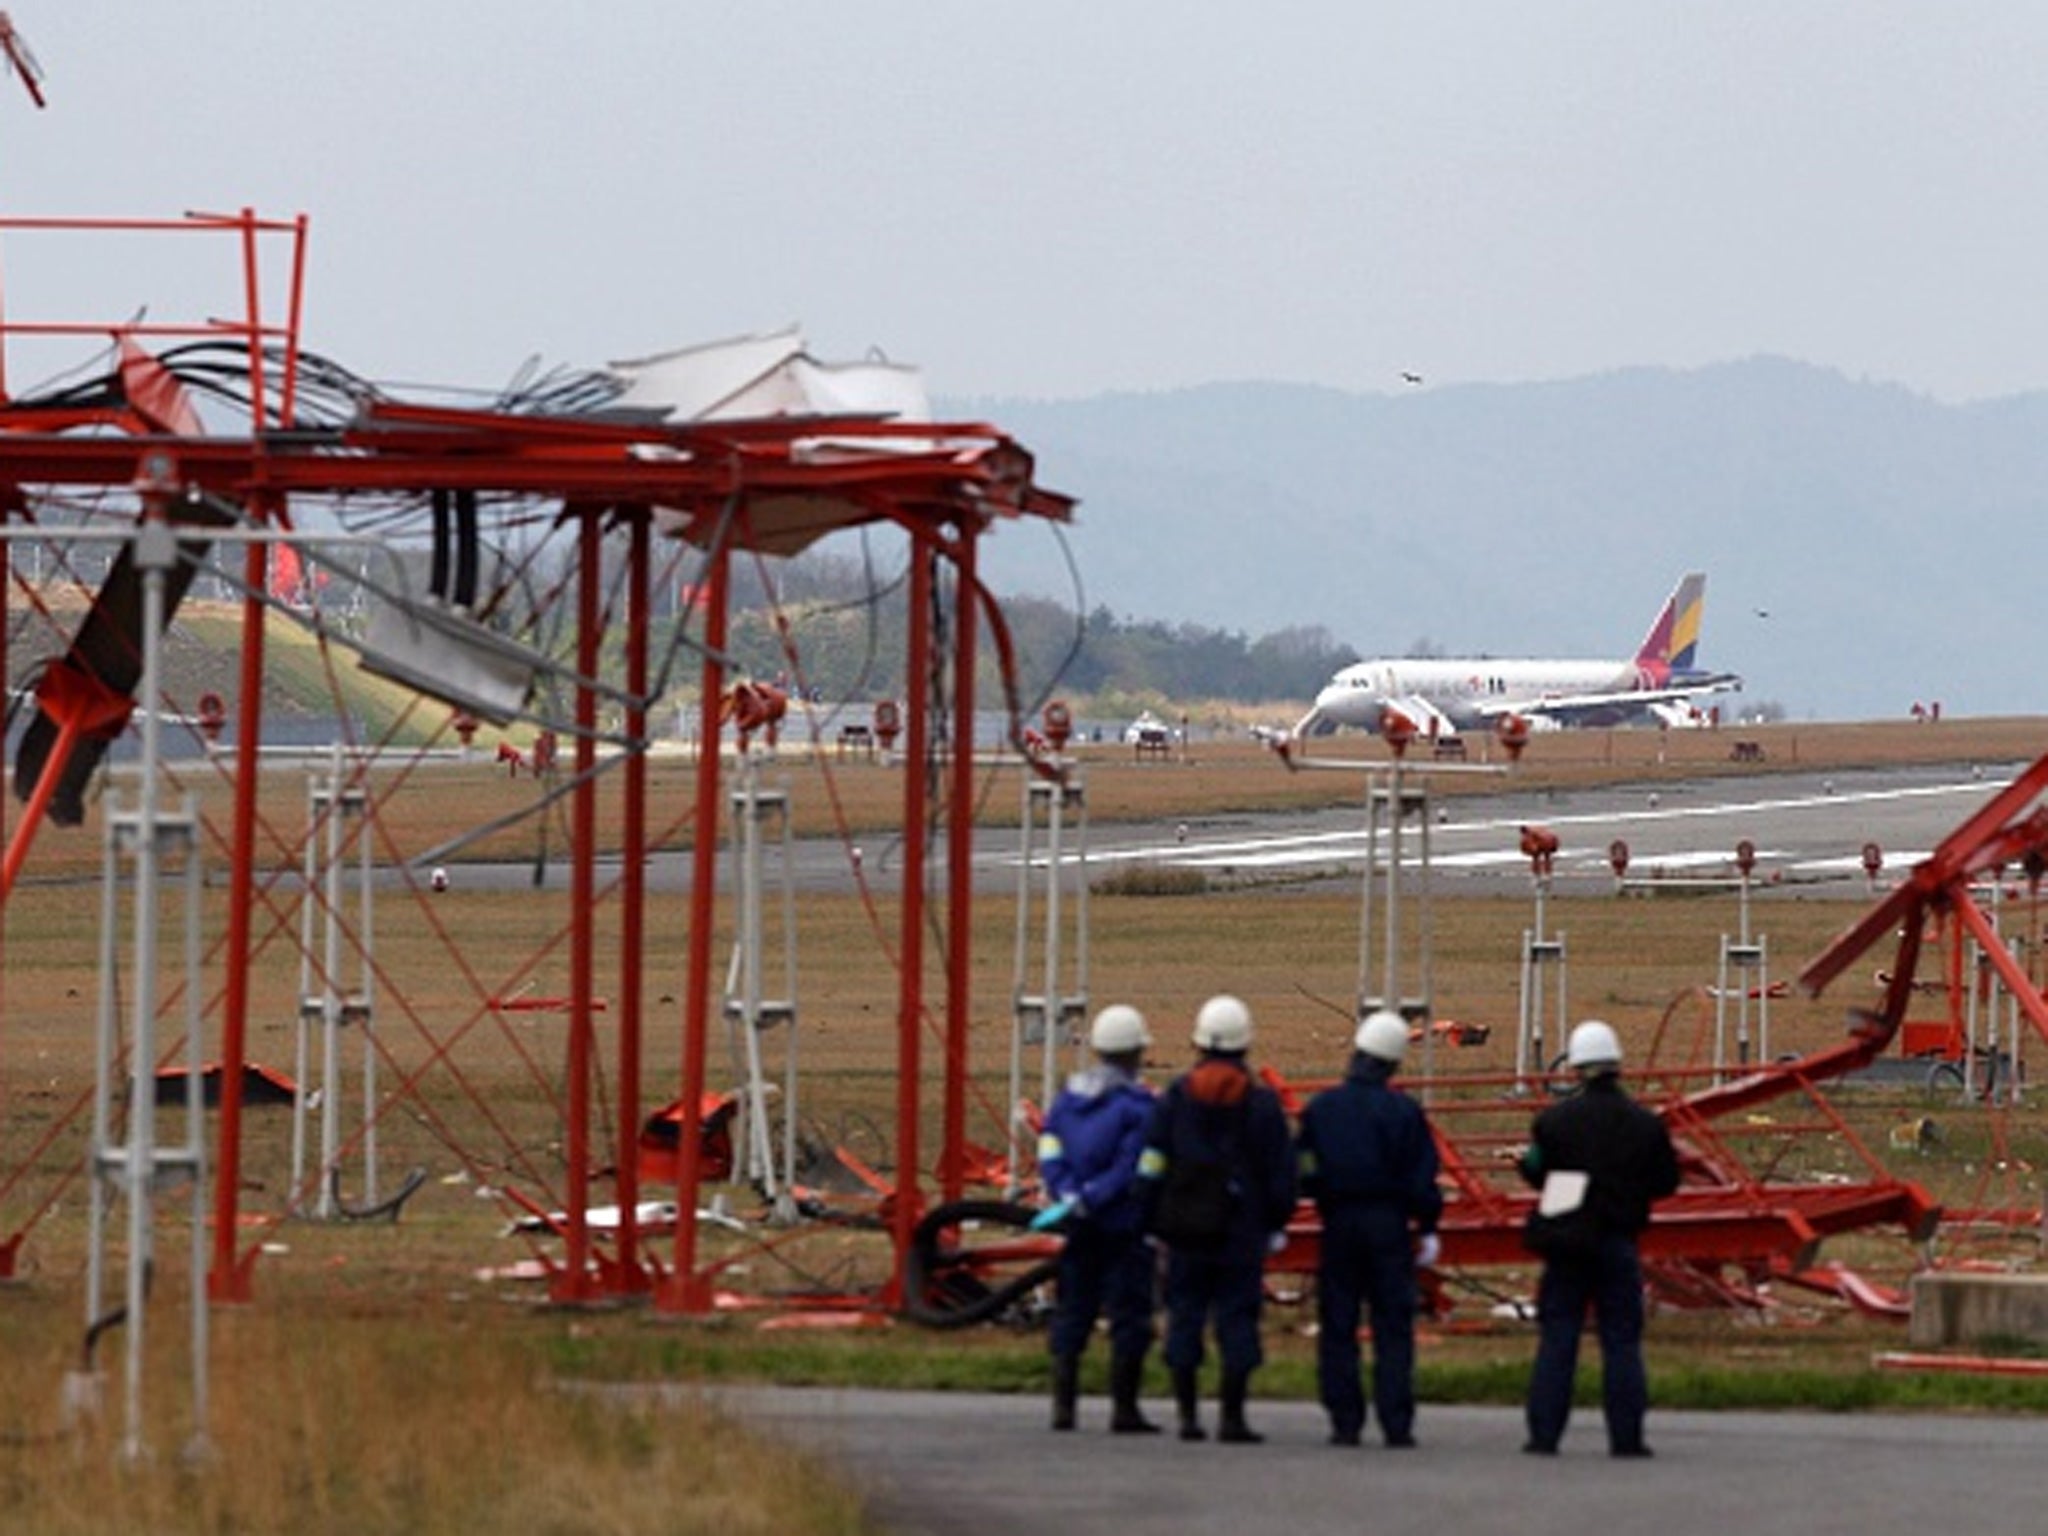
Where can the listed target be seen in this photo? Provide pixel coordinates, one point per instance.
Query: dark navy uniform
(1627, 1153)
(1217, 1110)
(1368, 1160)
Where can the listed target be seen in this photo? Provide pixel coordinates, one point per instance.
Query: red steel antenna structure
(774, 485)
(21, 60)
(725, 488)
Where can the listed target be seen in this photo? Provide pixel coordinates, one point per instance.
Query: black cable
(437, 574)
(465, 549)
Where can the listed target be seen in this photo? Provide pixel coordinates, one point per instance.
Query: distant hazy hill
(1896, 544)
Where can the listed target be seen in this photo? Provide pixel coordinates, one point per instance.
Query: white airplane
(1440, 696)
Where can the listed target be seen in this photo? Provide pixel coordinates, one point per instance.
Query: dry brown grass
(336, 1418)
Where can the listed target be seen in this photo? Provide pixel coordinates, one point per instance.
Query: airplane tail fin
(1673, 641)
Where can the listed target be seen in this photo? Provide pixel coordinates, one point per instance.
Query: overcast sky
(1058, 199)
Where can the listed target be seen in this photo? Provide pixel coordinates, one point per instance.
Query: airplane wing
(1568, 709)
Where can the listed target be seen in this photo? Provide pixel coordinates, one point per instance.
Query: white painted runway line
(1450, 840)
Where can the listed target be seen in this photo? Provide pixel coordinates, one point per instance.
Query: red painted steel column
(686, 1291)
(230, 1278)
(574, 1282)
(6, 582)
(904, 1202)
(630, 1275)
(960, 869)
(252, 308)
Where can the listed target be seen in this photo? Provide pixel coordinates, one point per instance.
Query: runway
(1807, 829)
(1809, 832)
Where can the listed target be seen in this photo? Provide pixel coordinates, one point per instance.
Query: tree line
(831, 627)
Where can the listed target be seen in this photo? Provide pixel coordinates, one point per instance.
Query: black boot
(1066, 1387)
(1234, 1430)
(1187, 1401)
(1125, 1374)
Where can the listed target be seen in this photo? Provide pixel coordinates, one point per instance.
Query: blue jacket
(1364, 1142)
(1090, 1144)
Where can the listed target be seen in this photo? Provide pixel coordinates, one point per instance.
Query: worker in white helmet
(1218, 1159)
(1601, 1160)
(1367, 1157)
(1088, 1156)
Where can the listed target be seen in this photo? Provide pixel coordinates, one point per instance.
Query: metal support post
(749, 1014)
(1981, 1011)
(138, 1167)
(686, 1290)
(1744, 970)
(1058, 1009)
(960, 870)
(1543, 959)
(1393, 800)
(336, 813)
(2015, 1075)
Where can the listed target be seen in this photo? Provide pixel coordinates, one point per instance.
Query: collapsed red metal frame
(1726, 1216)
(758, 485)
(1723, 1213)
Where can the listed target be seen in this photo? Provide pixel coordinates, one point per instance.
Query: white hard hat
(1593, 1044)
(1118, 1029)
(1224, 1024)
(1383, 1035)
(438, 879)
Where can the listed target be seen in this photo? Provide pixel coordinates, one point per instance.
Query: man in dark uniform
(1088, 1156)
(1601, 1160)
(1221, 1179)
(1367, 1157)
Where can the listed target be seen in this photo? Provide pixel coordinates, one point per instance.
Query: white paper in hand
(1564, 1191)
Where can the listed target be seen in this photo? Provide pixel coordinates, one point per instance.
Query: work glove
(1056, 1214)
(1427, 1250)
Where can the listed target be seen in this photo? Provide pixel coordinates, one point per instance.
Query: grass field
(379, 1381)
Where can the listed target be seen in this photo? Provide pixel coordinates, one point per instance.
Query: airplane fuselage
(1470, 691)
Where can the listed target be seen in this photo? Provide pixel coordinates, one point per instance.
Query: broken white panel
(753, 377)
(448, 656)
(699, 383)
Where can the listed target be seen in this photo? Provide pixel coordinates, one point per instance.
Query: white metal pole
(1049, 1055)
(195, 1128)
(1080, 910)
(155, 551)
(366, 1013)
(330, 998)
(1026, 828)
(302, 1064)
(789, 939)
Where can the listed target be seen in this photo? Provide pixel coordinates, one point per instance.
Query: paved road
(937, 1463)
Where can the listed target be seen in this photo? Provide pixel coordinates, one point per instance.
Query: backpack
(1198, 1196)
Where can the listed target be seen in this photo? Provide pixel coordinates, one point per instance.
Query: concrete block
(1951, 1307)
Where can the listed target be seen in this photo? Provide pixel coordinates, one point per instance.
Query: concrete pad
(1958, 1307)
